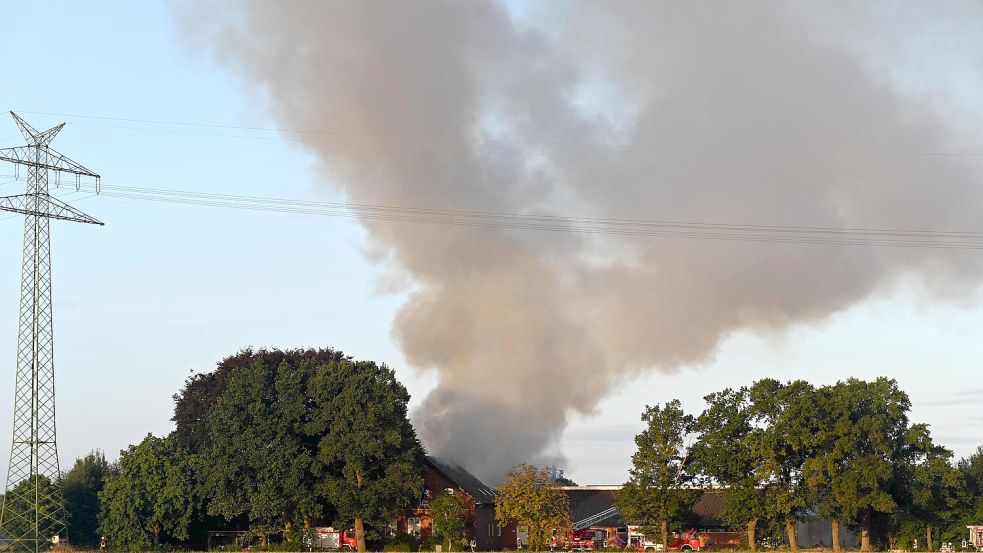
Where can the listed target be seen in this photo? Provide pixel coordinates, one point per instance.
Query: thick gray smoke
(687, 111)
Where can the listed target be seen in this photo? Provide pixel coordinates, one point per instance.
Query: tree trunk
(835, 530)
(360, 535)
(928, 539)
(156, 537)
(793, 544)
(865, 533)
(665, 535)
(751, 542)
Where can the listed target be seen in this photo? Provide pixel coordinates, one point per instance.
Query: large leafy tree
(937, 490)
(369, 459)
(655, 493)
(258, 460)
(726, 454)
(200, 391)
(972, 469)
(530, 498)
(151, 496)
(447, 511)
(80, 487)
(867, 451)
(821, 468)
(784, 416)
(20, 501)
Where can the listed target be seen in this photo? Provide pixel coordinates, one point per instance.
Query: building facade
(442, 476)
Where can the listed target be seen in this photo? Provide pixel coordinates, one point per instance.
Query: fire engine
(687, 541)
(329, 538)
(975, 538)
(582, 539)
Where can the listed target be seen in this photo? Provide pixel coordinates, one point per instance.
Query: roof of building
(463, 479)
(708, 509)
(587, 501)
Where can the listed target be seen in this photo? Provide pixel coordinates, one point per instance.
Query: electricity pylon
(32, 515)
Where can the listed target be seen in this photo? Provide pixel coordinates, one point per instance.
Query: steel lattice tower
(32, 513)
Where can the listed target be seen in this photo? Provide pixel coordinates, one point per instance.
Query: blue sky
(166, 289)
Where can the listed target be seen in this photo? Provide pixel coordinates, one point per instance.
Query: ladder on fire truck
(591, 520)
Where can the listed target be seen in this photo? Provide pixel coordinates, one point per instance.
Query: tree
(258, 459)
(784, 417)
(937, 489)
(726, 454)
(447, 511)
(21, 499)
(822, 466)
(530, 498)
(150, 498)
(868, 450)
(972, 469)
(654, 494)
(369, 459)
(81, 486)
(200, 391)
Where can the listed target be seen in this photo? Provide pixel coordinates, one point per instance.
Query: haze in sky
(166, 289)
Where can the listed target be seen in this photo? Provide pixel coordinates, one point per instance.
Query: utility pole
(32, 517)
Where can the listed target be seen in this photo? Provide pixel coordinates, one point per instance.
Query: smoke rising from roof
(740, 113)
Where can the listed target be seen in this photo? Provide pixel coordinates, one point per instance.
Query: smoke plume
(744, 112)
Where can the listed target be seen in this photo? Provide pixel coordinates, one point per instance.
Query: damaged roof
(463, 479)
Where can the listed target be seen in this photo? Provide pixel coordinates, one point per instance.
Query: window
(413, 526)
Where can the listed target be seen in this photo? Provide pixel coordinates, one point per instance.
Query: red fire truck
(975, 542)
(329, 538)
(583, 539)
(690, 540)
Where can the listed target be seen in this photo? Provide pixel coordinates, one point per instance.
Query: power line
(778, 234)
(775, 234)
(477, 140)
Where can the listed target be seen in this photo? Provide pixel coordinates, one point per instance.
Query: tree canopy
(530, 498)
(726, 455)
(369, 459)
(200, 391)
(785, 415)
(20, 501)
(292, 438)
(80, 487)
(258, 460)
(447, 511)
(655, 494)
(150, 498)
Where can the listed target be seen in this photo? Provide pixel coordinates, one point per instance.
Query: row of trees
(276, 441)
(281, 441)
(781, 451)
